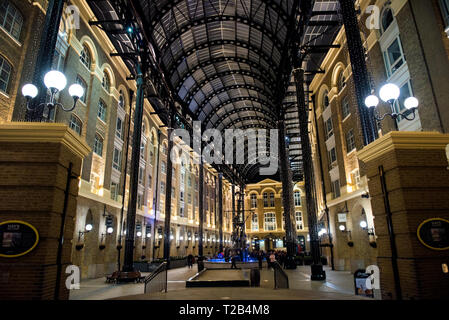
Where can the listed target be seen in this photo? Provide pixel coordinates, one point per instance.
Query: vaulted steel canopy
(229, 62)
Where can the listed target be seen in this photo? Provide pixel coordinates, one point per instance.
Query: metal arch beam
(205, 20)
(233, 87)
(247, 118)
(248, 126)
(212, 61)
(207, 44)
(171, 4)
(236, 110)
(242, 98)
(198, 86)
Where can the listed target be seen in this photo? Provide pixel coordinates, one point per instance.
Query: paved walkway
(338, 286)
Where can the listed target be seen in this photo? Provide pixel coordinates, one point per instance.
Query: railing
(157, 280)
(280, 277)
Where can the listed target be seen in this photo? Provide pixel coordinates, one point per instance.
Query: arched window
(387, 19)
(98, 145)
(83, 84)
(325, 100)
(265, 199)
(11, 19)
(75, 124)
(102, 110)
(297, 196)
(5, 74)
(341, 83)
(106, 83)
(85, 57)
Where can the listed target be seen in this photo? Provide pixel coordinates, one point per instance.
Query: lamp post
(55, 82)
(390, 93)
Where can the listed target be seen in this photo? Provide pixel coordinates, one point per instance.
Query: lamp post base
(318, 274)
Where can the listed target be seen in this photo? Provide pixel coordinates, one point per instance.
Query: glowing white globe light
(342, 228)
(76, 91)
(148, 235)
(55, 80)
(139, 234)
(181, 238)
(171, 237)
(160, 236)
(372, 101)
(88, 227)
(363, 224)
(389, 92)
(323, 231)
(110, 230)
(29, 91)
(411, 103)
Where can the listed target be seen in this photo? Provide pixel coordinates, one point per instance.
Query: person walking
(260, 258)
(190, 261)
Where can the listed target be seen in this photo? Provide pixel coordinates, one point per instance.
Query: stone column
(287, 196)
(39, 168)
(408, 184)
(201, 207)
(168, 193)
(220, 209)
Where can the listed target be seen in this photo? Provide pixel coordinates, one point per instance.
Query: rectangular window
(163, 168)
(394, 57)
(117, 159)
(270, 221)
(75, 124)
(98, 145)
(119, 128)
(114, 191)
(254, 222)
(142, 150)
(189, 198)
(139, 201)
(299, 222)
(355, 178)
(141, 175)
(162, 187)
(329, 128)
(444, 5)
(297, 197)
(350, 141)
(83, 84)
(102, 111)
(5, 73)
(345, 111)
(254, 201)
(332, 154)
(336, 189)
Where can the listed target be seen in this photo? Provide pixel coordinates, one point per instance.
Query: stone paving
(339, 285)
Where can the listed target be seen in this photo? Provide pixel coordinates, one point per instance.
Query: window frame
(17, 14)
(273, 223)
(95, 147)
(80, 124)
(9, 73)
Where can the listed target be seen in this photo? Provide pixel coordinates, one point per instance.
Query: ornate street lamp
(390, 93)
(55, 81)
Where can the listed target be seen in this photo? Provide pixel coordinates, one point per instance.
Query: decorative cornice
(403, 140)
(39, 132)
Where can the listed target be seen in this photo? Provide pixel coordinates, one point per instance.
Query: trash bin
(255, 277)
(360, 286)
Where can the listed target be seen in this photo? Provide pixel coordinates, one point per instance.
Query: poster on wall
(17, 238)
(434, 234)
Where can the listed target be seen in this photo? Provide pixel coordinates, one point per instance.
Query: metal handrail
(279, 274)
(150, 278)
